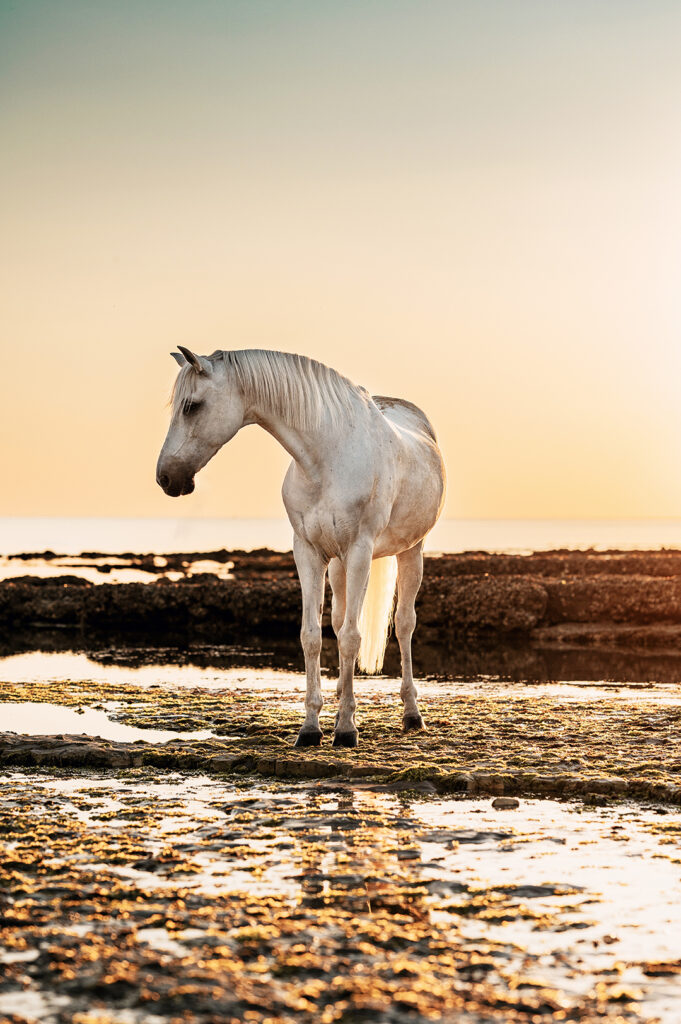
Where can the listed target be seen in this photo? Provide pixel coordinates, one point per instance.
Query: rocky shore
(493, 742)
(558, 598)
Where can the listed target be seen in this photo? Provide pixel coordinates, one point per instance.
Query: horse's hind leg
(409, 576)
(357, 566)
(311, 570)
(337, 581)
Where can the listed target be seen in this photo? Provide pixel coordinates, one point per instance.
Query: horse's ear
(180, 360)
(193, 360)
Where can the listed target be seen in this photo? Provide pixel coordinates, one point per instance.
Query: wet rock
(409, 854)
(610, 786)
(437, 835)
(538, 891)
(62, 751)
(662, 969)
(470, 835)
(485, 783)
(227, 762)
(505, 803)
(631, 599)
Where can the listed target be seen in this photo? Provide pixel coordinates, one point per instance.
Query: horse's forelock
(183, 388)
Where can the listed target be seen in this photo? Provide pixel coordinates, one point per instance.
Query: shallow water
(42, 666)
(44, 719)
(551, 900)
(108, 569)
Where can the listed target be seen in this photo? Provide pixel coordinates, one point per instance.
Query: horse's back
(405, 414)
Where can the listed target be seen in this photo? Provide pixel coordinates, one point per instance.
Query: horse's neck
(311, 449)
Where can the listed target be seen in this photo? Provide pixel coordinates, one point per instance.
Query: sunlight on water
(604, 852)
(40, 666)
(45, 667)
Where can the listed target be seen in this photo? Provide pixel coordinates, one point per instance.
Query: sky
(473, 205)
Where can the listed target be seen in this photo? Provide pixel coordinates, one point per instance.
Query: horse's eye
(190, 407)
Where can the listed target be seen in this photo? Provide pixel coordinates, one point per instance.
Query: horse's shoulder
(404, 413)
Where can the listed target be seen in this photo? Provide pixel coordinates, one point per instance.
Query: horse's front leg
(337, 581)
(357, 566)
(311, 571)
(409, 576)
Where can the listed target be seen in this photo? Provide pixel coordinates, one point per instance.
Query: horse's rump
(404, 414)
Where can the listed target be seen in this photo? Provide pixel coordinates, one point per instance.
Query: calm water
(72, 536)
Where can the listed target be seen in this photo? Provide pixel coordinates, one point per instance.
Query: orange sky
(471, 205)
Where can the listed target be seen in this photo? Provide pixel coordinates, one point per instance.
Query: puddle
(35, 719)
(31, 1006)
(416, 909)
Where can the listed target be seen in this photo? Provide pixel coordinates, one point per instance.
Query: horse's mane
(300, 390)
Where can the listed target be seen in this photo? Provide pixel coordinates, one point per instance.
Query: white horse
(365, 486)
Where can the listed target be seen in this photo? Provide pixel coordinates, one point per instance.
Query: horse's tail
(377, 613)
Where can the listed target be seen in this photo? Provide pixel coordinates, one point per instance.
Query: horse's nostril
(164, 480)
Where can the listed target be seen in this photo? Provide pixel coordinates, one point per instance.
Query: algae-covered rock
(308, 768)
(499, 605)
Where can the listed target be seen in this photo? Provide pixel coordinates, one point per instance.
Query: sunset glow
(472, 206)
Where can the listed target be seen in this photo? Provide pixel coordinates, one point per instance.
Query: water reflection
(221, 667)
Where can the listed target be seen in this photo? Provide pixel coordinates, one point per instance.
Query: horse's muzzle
(175, 488)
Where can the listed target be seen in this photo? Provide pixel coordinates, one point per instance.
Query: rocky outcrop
(630, 598)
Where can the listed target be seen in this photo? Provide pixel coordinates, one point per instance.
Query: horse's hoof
(412, 723)
(345, 739)
(309, 738)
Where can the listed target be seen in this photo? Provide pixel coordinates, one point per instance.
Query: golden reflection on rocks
(279, 905)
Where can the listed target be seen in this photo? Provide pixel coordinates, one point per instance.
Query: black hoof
(345, 739)
(309, 738)
(412, 723)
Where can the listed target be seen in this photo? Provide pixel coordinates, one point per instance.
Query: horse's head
(207, 410)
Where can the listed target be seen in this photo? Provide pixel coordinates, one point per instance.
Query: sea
(73, 536)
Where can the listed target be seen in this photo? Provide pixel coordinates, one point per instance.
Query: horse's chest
(332, 521)
(328, 530)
